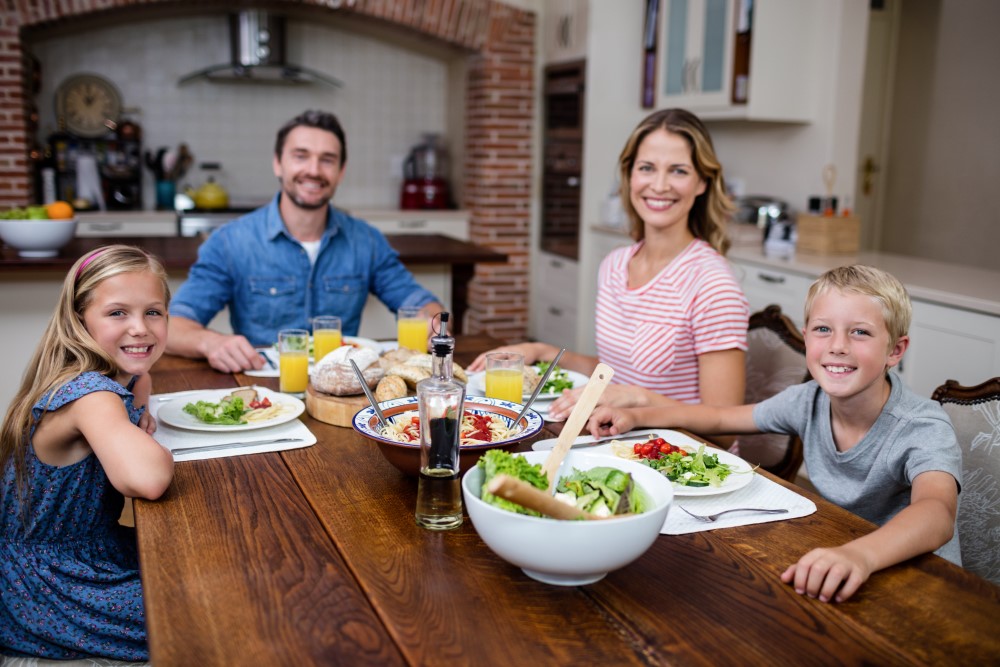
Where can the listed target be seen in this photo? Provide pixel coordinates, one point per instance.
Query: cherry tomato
(637, 448)
(647, 449)
(658, 442)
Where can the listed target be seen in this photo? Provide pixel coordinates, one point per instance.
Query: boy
(871, 445)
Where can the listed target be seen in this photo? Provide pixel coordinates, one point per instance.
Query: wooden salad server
(592, 391)
(525, 495)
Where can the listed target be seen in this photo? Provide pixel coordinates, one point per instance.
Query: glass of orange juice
(326, 336)
(504, 376)
(293, 361)
(412, 328)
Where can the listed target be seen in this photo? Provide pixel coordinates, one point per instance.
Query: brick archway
(500, 112)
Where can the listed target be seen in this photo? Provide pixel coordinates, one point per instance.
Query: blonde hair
(67, 349)
(713, 208)
(887, 291)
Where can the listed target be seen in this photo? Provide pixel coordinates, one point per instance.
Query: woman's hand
(829, 574)
(614, 395)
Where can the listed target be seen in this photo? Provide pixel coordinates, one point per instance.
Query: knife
(619, 438)
(228, 445)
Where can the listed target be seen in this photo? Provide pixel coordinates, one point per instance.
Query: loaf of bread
(390, 387)
(334, 374)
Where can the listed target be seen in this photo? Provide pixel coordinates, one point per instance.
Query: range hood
(257, 54)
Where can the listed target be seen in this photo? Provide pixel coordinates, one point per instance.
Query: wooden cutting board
(336, 410)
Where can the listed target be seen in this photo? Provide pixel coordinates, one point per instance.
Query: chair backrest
(776, 359)
(975, 414)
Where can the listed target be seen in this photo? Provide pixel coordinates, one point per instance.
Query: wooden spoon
(526, 495)
(577, 418)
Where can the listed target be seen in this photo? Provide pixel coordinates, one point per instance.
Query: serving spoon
(368, 392)
(592, 391)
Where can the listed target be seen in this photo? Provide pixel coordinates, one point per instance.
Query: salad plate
(173, 414)
(477, 385)
(742, 471)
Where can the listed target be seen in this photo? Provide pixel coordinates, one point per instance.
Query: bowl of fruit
(38, 231)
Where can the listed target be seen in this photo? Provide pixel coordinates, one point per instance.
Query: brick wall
(500, 96)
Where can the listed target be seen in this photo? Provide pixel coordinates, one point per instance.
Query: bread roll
(390, 387)
(531, 379)
(335, 375)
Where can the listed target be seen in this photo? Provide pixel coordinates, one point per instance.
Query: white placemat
(174, 438)
(761, 492)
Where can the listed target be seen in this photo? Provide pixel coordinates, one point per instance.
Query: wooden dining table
(312, 557)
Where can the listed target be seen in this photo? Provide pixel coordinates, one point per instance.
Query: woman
(671, 317)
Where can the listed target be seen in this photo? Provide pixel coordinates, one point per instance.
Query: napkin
(270, 368)
(173, 438)
(761, 493)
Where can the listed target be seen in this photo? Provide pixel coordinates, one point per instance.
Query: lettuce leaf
(496, 462)
(228, 412)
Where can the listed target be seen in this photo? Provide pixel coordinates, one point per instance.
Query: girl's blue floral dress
(69, 573)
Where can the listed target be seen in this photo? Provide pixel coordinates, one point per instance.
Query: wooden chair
(776, 359)
(975, 414)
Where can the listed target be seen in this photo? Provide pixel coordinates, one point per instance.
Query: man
(294, 259)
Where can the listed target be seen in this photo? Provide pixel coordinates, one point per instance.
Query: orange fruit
(59, 210)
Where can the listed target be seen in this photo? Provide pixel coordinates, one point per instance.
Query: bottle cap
(442, 344)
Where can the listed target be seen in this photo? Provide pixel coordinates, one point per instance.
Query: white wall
(392, 93)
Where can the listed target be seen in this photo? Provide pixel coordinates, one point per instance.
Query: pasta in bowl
(487, 423)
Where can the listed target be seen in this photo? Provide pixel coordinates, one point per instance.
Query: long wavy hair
(67, 349)
(713, 208)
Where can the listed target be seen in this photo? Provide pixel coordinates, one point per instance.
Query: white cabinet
(697, 40)
(765, 285)
(950, 344)
(946, 343)
(565, 30)
(699, 50)
(556, 316)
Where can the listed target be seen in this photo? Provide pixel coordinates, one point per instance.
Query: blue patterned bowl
(406, 456)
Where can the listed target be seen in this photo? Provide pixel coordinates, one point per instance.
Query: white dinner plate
(742, 471)
(173, 414)
(477, 385)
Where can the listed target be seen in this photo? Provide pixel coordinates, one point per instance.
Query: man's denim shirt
(263, 274)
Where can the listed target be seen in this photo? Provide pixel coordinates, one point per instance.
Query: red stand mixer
(424, 183)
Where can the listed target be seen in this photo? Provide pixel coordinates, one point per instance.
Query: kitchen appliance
(257, 54)
(424, 176)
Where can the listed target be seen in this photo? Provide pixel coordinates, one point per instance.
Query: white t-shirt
(652, 335)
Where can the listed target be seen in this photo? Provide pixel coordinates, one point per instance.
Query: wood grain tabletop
(312, 557)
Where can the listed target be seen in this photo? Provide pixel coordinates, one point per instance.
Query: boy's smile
(847, 345)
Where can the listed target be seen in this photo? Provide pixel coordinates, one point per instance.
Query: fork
(712, 517)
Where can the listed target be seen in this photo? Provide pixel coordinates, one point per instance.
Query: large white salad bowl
(570, 553)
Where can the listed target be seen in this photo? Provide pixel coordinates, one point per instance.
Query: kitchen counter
(29, 288)
(952, 285)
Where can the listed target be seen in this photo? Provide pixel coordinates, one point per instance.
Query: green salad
(693, 470)
(557, 382)
(229, 411)
(602, 491)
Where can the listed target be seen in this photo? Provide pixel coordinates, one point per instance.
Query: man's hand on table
(232, 354)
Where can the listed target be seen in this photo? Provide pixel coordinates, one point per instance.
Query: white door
(876, 109)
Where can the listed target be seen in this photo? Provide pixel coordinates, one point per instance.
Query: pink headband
(87, 261)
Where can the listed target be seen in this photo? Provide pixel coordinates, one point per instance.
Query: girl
(671, 317)
(75, 440)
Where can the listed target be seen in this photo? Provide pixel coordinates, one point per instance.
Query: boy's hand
(829, 574)
(605, 421)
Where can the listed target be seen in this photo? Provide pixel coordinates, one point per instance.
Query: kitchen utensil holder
(828, 235)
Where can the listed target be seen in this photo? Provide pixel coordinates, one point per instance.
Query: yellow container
(828, 235)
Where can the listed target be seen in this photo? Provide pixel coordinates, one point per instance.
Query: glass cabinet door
(697, 45)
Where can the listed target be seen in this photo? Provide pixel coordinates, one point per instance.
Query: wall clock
(90, 105)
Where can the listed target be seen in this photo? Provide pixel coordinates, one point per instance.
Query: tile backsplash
(390, 97)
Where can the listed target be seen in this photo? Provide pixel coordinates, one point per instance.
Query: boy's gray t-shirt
(872, 479)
